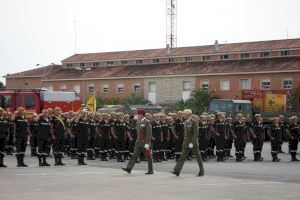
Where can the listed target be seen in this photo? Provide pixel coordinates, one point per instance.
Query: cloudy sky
(42, 31)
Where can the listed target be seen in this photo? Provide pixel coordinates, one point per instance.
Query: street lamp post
(83, 69)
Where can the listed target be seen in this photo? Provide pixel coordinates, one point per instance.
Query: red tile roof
(185, 51)
(178, 69)
(36, 72)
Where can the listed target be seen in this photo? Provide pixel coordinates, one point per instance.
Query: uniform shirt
(34, 127)
(156, 130)
(220, 127)
(21, 126)
(59, 126)
(144, 131)
(203, 130)
(259, 129)
(229, 127)
(191, 133)
(120, 129)
(83, 129)
(164, 129)
(276, 132)
(74, 128)
(4, 127)
(44, 128)
(104, 128)
(294, 130)
(179, 128)
(93, 126)
(240, 129)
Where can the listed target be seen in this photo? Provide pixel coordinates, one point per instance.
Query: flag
(91, 103)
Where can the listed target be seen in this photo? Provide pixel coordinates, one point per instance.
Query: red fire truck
(36, 100)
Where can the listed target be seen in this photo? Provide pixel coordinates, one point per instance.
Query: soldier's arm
(148, 132)
(195, 131)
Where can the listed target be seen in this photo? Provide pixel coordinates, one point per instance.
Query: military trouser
(104, 147)
(43, 144)
(203, 146)
(220, 144)
(97, 147)
(157, 149)
(293, 146)
(211, 147)
(67, 145)
(275, 148)
(21, 144)
(239, 144)
(58, 146)
(90, 149)
(73, 147)
(120, 151)
(184, 155)
(138, 150)
(10, 144)
(2, 146)
(257, 148)
(33, 145)
(228, 146)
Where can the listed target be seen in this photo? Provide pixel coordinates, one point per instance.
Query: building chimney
(216, 45)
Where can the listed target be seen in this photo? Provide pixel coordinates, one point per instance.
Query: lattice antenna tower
(171, 23)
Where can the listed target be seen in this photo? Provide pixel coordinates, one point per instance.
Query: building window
(224, 57)
(76, 89)
(96, 64)
(245, 55)
(245, 84)
(287, 83)
(139, 62)
(105, 88)
(188, 59)
(155, 60)
(109, 63)
(69, 65)
(172, 60)
(91, 88)
(63, 88)
(81, 64)
(124, 62)
(205, 84)
(265, 84)
(224, 85)
(206, 58)
(120, 87)
(285, 53)
(265, 54)
(136, 88)
(186, 90)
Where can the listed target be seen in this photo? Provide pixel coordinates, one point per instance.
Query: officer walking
(191, 133)
(143, 143)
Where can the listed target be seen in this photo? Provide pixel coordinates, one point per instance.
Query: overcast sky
(42, 31)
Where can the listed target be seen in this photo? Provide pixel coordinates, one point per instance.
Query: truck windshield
(220, 106)
(5, 101)
(29, 101)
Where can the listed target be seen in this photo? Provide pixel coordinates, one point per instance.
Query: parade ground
(105, 180)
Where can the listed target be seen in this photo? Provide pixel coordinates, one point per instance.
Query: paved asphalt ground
(105, 180)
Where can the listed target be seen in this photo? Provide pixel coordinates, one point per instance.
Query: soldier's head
(203, 118)
(141, 113)
(113, 115)
(1, 111)
(156, 117)
(276, 120)
(295, 119)
(281, 118)
(221, 116)
(148, 116)
(187, 113)
(229, 119)
(134, 111)
(57, 111)
(21, 111)
(50, 111)
(120, 115)
(45, 113)
(126, 117)
(195, 118)
(179, 114)
(239, 117)
(163, 117)
(105, 116)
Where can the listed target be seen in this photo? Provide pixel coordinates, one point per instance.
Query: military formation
(140, 136)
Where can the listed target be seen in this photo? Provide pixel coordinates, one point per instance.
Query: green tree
(179, 105)
(1, 85)
(113, 101)
(100, 101)
(134, 99)
(199, 100)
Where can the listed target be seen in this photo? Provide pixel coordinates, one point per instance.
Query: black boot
(293, 155)
(1, 160)
(260, 159)
(56, 160)
(73, 154)
(60, 156)
(18, 156)
(255, 157)
(45, 160)
(33, 152)
(79, 160)
(203, 155)
(40, 160)
(238, 157)
(90, 155)
(97, 153)
(22, 161)
(82, 160)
